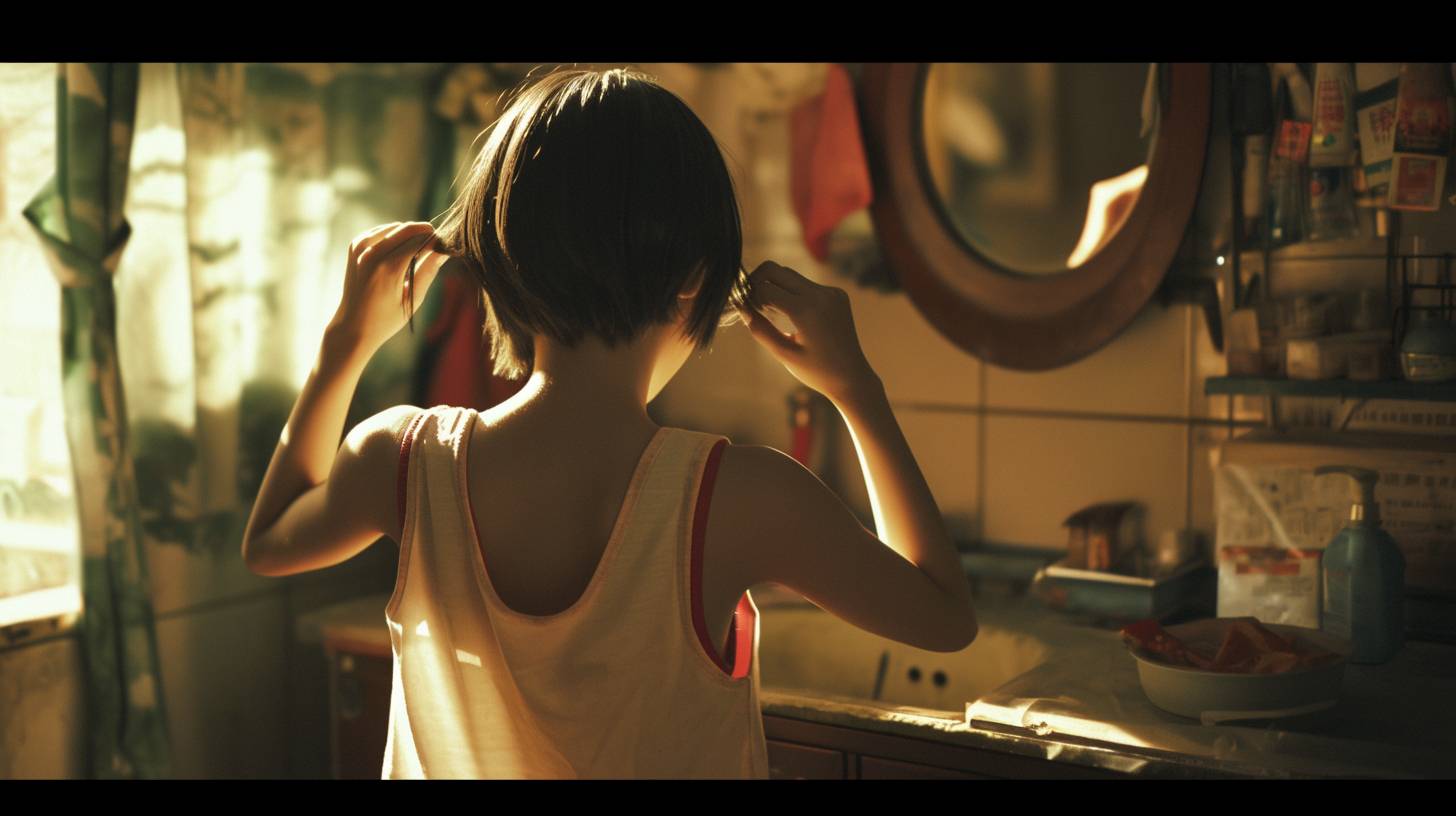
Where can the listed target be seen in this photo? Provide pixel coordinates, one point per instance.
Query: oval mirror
(1030, 209)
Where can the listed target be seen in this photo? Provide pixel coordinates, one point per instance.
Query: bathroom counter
(1089, 710)
(1084, 705)
(1392, 721)
(1084, 709)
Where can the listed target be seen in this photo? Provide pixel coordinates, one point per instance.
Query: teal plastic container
(1363, 575)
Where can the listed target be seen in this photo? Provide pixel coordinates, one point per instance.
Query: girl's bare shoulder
(765, 501)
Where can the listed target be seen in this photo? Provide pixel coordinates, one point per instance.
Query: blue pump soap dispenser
(1363, 575)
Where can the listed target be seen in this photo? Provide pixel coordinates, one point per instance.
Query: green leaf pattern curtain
(250, 181)
(247, 182)
(78, 217)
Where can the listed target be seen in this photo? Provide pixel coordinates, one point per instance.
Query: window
(39, 541)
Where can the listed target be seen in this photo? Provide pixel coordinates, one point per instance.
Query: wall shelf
(1343, 389)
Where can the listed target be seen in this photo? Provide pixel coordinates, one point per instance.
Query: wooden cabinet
(787, 760)
(877, 768)
(360, 683)
(872, 755)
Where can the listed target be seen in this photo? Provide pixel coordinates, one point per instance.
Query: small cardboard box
(1422, 138)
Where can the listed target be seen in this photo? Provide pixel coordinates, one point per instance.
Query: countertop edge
(947, 728)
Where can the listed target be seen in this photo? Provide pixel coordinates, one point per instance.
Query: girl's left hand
(378, 298)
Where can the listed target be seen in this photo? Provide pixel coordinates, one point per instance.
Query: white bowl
(1214, 697)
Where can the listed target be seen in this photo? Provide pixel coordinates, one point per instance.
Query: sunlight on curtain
(39, 552)
(249, 180)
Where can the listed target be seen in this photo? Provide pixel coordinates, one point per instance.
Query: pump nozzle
(1365, 509)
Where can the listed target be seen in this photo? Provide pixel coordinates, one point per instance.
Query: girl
(572, 590)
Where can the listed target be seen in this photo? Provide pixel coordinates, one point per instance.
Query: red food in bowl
(1247, 648)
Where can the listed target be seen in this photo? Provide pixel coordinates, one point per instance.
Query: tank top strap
(433, 433)
(680, 488)
(425, 488)
(739, 648)
(401, 476)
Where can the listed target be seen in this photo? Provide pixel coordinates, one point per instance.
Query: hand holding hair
(823, 352)
(390, 270)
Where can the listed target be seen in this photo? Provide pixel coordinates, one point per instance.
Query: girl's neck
(590, 384)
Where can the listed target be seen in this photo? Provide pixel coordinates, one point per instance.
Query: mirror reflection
(1038, 164)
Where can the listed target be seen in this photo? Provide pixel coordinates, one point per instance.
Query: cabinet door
(787, 760)
(878, 768)
(360, 704)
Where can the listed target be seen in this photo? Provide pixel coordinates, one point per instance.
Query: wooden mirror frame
(1010, 319)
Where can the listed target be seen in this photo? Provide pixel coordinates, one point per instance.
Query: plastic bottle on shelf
(1285, 209)
(1363, 578)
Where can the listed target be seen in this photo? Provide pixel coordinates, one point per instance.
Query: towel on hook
(829, 178)
(455, 359)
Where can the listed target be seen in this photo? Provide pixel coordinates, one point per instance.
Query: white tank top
(623, 684)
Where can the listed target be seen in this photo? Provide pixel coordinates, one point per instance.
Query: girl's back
(571, 598)
(510, 663)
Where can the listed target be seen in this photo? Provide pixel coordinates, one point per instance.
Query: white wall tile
(915, 362)
(1142, 372)
(736, 389)
(1205, 361)
(182, 577)
(946, 445)
(843, 475)
(1041, 470)
(223, 681)
(42, 711)
(1204, 442)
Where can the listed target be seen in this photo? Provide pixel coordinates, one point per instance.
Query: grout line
(981, 453)
(1076, 415)
(1188, 459)
(1190, 377)
(219, 603)
(1190, 364)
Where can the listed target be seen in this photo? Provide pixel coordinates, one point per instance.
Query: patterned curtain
(78, 216)
(250, 180)
(247, 182)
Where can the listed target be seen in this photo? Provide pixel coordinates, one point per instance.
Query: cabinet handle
(351, 696)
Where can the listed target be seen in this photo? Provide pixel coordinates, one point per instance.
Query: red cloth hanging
(461, 374)
(829, 177)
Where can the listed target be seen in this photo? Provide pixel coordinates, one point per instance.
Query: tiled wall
(244, 698)
(42, 705)
(1010, 454)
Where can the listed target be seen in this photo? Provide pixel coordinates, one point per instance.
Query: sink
(804, 649)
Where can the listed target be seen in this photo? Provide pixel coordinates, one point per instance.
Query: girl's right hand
(378, 297)
(823, 353)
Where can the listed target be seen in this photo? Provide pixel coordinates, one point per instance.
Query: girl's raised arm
(318, 507)
(906, 584)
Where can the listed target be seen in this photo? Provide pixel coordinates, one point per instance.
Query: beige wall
(1011, 454)
(244, 699)
(42, 711)
(1008, 454)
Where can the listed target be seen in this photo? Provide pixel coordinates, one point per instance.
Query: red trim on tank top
(739, 646)
(401, 478)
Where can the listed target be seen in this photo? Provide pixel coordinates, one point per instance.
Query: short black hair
(597, 198)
